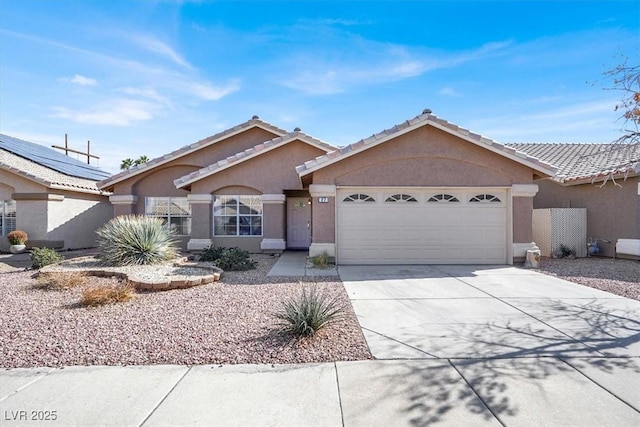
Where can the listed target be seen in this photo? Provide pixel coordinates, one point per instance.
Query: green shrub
(229, 259)
(320, 261)
(41, 257)
(309, 312)
(211, 253)
(136, 240)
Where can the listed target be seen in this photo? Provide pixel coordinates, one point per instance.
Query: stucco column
(123, 204)
(323, 219)
(273, 222)
(201, 221)
(522, 218)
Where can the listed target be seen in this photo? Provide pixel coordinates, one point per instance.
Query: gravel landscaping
(618, 276)
(225, 322)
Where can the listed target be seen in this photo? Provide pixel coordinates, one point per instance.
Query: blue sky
(147, 77)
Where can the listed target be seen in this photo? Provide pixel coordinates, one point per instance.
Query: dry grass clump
(105, 294)
(60, 281)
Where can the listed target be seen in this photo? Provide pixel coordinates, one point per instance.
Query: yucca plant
(136, 240)
(309, 312)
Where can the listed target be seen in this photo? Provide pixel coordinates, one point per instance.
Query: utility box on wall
(560, 226)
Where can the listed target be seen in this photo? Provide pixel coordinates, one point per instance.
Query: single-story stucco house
(52, 197)
(603, 178)
(424, 191)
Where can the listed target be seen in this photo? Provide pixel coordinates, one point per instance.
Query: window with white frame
(237, 216)
(7, 216)
(174, 211)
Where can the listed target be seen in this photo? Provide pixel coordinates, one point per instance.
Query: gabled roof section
(255, 122)
(424, 119)
(45, 176)
(578, 162)
(255, 151)
(51, 159)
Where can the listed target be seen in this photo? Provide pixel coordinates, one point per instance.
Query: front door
(298, 223)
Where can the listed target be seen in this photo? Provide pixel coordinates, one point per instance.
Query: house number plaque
(323, 200)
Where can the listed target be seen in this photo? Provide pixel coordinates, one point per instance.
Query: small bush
(102, 295)
(41, 257)
(136, 240)
(320, 261)
(229, 259)
(17, 237)
(565, 252)
(212, 253)
(60, 281)
(309, 312)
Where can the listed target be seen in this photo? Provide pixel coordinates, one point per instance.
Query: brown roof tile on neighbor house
(251, 153)
(46, 176)
(187, 149)
(586, 161)
(426, 118)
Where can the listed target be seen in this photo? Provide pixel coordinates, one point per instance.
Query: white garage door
(422, 226)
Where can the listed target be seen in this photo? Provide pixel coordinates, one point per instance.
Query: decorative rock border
(163, 283)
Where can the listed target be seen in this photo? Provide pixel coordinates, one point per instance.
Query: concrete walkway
(456, 346)
(297, 264)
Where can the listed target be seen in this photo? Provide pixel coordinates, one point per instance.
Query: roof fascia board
(167, 158)
(593, 179)
(293, 137)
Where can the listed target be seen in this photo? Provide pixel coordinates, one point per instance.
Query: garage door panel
(422, 232)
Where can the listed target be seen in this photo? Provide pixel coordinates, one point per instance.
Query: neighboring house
(613, 207)
(424, 191)
(52, 197)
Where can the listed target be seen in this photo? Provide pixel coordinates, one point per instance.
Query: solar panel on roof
(50, 158)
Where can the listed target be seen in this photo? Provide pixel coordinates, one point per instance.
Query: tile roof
(250, 153)
(187, 149)
(46, 176)
(586, 161)
(426, 118)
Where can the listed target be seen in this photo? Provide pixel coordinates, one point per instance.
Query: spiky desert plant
(136, 240)
(309, 312)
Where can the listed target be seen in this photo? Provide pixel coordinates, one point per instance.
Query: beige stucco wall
(323, 220)
(425, 157)
(75, 220)
(612, 212)
(161, 178)
(269, 173)
(62, 215)
(522, 218)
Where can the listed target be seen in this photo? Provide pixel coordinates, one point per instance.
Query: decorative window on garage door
(485, 198)
(358, 198)
(401, 198)
(443, 198)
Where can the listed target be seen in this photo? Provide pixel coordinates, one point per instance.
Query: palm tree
(140, 160)
(126, 164)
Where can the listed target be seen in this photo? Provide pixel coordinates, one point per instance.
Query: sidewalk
(297, 264)
(456, 392)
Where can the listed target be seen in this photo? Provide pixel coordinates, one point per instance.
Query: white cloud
(449, 91)
(209, 92)
(119, 112)
(154, 45)
(332, 72)
(80, 80)
(145, 92)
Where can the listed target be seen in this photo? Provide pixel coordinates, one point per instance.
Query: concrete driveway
(523, 342)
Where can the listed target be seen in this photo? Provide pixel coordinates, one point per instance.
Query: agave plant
(136, 240)
(309, 312)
